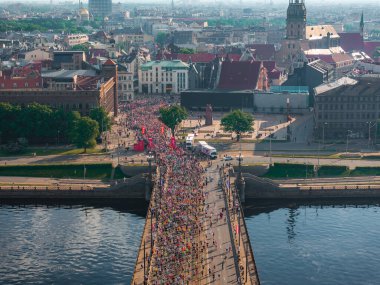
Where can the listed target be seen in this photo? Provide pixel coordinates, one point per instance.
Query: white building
(163, 77)
(76, 39)
(126, 91)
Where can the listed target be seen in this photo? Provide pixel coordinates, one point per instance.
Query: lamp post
(323, 134)
(270, 148)
(348, 133)
(369, 132)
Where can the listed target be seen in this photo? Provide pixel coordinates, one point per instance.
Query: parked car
(227, 158)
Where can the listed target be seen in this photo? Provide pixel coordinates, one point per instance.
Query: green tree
(81, 47)
(100, 115)
(72, 119)
(172, 116)
(161, 38)
(187, 50)
(85, 132)
(36, 122)
(238, 122)
(8, 119)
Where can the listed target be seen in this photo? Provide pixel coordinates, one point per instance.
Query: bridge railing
(339, 187)
(241, 235)
(47, 188)
(146, 232)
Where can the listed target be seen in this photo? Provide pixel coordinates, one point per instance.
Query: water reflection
(319, 242)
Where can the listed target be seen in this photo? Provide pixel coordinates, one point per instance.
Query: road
(8, 180)
(220, 262)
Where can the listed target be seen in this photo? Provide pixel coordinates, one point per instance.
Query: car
(227, 158)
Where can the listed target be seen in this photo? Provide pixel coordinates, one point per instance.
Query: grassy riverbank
(101, 171)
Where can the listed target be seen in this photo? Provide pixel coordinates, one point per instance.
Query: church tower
(296, 20)
(362, 25)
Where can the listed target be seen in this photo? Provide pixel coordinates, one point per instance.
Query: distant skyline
(248, 2)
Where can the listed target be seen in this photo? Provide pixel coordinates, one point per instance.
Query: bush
(93, 171)
(366, 171)
(333, 170)
(289, 170)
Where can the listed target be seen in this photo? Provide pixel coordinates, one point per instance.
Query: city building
(17, 78)
(347, 107)
(35, 55)
(283, 100)
(100, 8)
(126, 90)
(71, 60)
(70, 90)
(163, 77)
(76, 39)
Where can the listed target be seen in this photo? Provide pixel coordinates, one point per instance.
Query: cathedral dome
(84, 12)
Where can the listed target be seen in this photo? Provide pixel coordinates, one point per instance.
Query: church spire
(362, 25)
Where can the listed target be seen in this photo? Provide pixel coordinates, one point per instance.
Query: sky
(237, 1)
(245, 3)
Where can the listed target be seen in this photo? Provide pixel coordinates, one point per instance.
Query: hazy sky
(202, 1)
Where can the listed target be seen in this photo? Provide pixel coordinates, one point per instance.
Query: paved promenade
(221, 266)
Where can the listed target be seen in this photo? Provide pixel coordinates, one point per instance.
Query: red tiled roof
(109, 62)
(351, 41)
(370, 47)
(273, 73)
(324, 57)
(263, 51)
(340, 57)
(196, 58)
(239, 75)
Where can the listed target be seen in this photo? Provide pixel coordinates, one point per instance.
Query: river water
(297, 244)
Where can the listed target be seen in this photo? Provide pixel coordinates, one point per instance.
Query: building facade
(126, 90)
(100, 8)
(70, 90)
(76, 39)
(347, 107)
(163, 77)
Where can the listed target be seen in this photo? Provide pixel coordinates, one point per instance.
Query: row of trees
(41, 24)
(40, 124)
(236, 121)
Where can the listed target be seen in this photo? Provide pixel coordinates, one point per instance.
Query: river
(296, 244)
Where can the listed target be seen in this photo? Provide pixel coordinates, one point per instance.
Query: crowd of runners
(182, 222)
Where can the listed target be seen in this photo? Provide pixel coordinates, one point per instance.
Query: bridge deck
(223, 254)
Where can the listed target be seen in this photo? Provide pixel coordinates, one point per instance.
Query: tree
(85, 132)
(161, 39)
(80, 47)
(172, 116)
(187, 50)
(238, 122)
(100, 115)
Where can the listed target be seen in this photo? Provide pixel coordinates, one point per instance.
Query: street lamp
(348, 133)
(323, 133)
(369, 132)
(270, 148)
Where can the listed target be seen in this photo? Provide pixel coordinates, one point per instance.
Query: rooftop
(175, 64)
(289, 89)
(68, 73)
(350, 87)
(320, 31)
(344, 81)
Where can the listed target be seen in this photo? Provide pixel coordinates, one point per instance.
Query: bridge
(221, 251)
